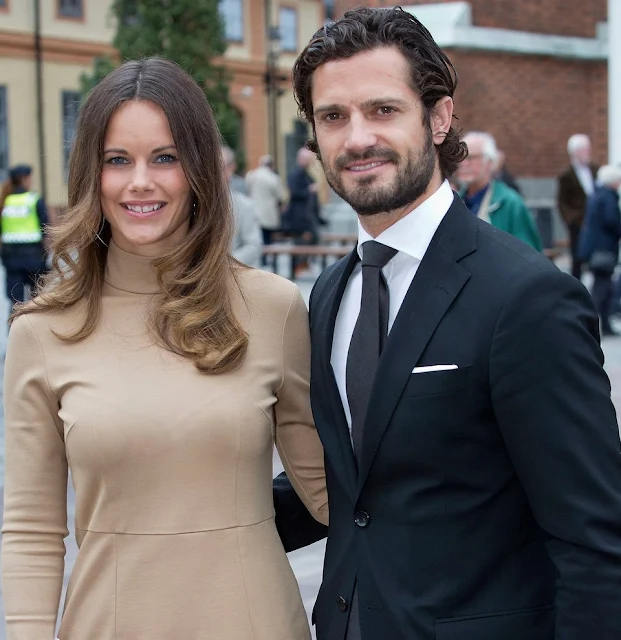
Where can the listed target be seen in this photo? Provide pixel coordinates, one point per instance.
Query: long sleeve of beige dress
(172, 471)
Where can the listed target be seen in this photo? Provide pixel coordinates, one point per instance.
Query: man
(481, 497)
(247, 239)
(301, 218)
(503, 174)
(237, 183)
(266, 192)
(575, 185)
(490, 199)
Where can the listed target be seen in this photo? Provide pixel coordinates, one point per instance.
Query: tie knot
(376, 254)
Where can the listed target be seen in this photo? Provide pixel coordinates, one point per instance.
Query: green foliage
(189, 32)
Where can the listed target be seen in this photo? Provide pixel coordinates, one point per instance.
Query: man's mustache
(375, 153)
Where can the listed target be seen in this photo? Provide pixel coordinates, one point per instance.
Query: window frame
(68, 97)
(235, 39)
(64, 16)
(289, 10)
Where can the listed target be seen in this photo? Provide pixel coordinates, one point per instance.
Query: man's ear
(441, 118)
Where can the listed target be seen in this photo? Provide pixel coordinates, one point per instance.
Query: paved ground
(306, 562)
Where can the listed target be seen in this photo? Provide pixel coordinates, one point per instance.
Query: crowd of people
(441, 410)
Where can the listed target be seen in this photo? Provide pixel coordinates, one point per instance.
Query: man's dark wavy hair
(432, 75)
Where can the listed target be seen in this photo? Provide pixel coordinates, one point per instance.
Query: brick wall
(532, 105)
(561, 17)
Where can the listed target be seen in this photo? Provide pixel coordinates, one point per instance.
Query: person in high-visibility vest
(21, 223)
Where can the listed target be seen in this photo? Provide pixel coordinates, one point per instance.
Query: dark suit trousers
(353, 626)
(574, 236)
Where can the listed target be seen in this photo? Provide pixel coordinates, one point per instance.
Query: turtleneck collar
(129, 272)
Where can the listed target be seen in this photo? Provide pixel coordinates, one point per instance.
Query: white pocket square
(434, 367)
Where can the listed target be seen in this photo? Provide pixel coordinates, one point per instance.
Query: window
(71, 8)
(288, 22)
(4, 135)
(232, 12)
(71, 106)
(4, 4)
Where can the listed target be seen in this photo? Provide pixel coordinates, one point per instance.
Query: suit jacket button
(342, 603)
(362, 519)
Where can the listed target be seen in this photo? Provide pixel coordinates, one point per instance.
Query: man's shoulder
(240, 201)
(503, 258)
(568, 172)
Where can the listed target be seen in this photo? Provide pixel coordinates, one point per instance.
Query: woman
(159, 371)
(23, 217)
(599, 241)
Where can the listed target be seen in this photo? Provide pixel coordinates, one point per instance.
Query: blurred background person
(24, 216)
(490, 199)
(502, 173)
(599, 241)
(302, 217)
(575, 184)
(237, 183)
(266, 192)
(247, 240)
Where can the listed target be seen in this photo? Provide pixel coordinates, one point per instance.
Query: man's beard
(368, 197)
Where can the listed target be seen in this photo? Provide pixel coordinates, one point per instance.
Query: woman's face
(145, 195)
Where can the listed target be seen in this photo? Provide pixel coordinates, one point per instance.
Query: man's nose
(361, 134)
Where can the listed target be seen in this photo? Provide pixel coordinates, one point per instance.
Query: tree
(188, 32)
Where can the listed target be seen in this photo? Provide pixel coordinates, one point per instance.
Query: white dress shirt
(410, 236)
(585, 177)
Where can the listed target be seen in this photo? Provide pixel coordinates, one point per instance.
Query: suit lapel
(325, 310)
(438, 281)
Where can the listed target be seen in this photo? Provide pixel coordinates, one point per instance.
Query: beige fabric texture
(172, 471)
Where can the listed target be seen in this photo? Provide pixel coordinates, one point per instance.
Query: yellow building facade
(74, 32)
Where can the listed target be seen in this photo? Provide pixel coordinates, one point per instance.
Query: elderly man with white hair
(266, 191)
(575, 185)
(599, 241)
(490, 199)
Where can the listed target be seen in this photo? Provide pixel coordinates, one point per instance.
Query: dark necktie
(369, 335)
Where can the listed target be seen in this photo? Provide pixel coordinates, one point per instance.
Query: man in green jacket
(490, 199)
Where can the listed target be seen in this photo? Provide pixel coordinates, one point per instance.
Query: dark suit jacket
(302, 213)
(601, 230)
(571, 198)
(487, 502)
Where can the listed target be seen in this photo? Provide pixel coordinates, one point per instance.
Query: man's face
(476, 170)
(583, 153)
(375, 149)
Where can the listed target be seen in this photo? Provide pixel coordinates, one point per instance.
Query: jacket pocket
(437, 382)
(535, 623)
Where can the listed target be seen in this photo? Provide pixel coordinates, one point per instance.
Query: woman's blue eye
(166, 158)
(117, 160)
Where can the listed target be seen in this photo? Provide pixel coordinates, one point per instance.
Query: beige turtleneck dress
(172, 471)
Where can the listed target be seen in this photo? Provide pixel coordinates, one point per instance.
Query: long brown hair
(193, 317)
(432, 75)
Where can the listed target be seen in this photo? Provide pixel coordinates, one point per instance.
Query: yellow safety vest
(20, 222)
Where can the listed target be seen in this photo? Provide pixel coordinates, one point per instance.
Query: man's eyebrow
(329, 108)
(382, 102)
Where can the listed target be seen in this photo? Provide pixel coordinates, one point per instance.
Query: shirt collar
(413, 233)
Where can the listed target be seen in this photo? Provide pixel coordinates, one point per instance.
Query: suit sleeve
(296, 436)
(35, 491)
(552, 401)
